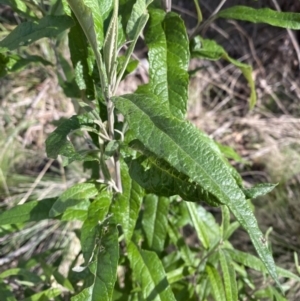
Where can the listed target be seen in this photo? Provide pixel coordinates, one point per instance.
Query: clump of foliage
(150, 167)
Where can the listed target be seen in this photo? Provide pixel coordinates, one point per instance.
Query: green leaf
(155, 221)
(57, 142)
(230, 282)
(149, 272)
(176, 275)
(103, 267)
(157, 176)
(111, 147)
(63, 281)
(168, 56)
(230, 230)
(225, 221)
(254, 263)
(4, 61)
(132, 65)
(258, 190)
(207, 230)
(110, 47)
(20, 7)
(77, 212)
(47, 294)
(138, 19)
(29, 212)
(209, 49)
(138, 10)
(230, 153)
(177, 239)
(29, 276)
(216, 283)
(14, 62)
(82, 57)
(198, 225)
(90, 17)
(29, 32)
(269, 293)
(262, 15)
(73, 196)
(6, 293)
(126, 206)
(96, 215)
(189, 151)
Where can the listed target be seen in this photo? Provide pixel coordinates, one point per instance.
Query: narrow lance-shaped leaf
(225, 221)
(126, 206)
(209, 49)
(29, 212)
(103, 267)
(215, 283)
(77, 212)
(168, 55)
(93, 29)
(139, 9)
(92, 14)
(263, 15)
(253, 262)
(177, 239)
(155, 221)
(258, 190)
(29, 32)
(58, 143)
(14, 62)
(90, 228)
(73, 196)
(28, 275)
(47, 294)
(207, 234)
(149, 272)
(229, 277)
(137, 21)
(82, 58)
(157, 176)
(182, 145)
(110, 51)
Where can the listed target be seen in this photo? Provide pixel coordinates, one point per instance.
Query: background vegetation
(267, 138)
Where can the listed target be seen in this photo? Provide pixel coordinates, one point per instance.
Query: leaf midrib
(179, 146)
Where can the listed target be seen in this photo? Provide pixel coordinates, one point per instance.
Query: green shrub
(150, 169)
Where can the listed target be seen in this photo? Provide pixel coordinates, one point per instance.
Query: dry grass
(268, 136)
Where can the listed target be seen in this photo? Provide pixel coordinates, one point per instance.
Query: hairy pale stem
(111, 133)
(167, 5)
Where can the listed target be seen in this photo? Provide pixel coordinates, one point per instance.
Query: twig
(209, 20)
